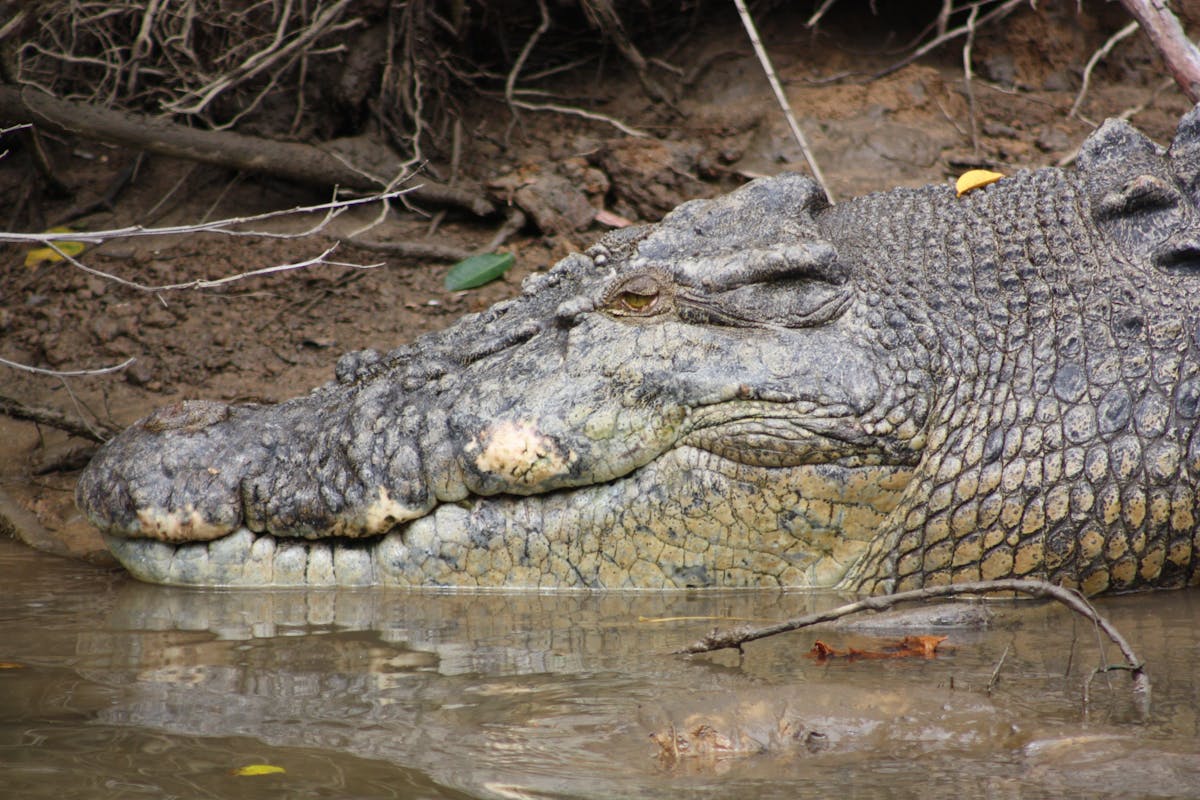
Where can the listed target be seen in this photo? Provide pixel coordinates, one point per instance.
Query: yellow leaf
(39, 255)
(258, 769)
(975, 179)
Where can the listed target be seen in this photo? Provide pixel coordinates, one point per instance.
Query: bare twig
(69, 373)
(579, 112)
(106, 200)
(1177, 50)
(605, 17)
(968, 84)
(197, 100)
(512, 223)
(765, 61)
(79, 405)
(511, 82)
(14, 23)
(221, 226)
(943, 19)
(999, 12)
(736, 637)
(820, 12)
(10, 129)
(1127, 114)
(204, 283)
(1096, 58)
(456, 151)
(996, 672)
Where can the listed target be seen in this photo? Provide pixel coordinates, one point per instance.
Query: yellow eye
(635, 301)
(643, 294)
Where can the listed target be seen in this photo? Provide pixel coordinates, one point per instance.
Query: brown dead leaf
(923, 646)
(908, 647)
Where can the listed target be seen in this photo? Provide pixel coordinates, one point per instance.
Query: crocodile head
(713, 400)
(908, 388)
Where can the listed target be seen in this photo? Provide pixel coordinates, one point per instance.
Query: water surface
(115, 689)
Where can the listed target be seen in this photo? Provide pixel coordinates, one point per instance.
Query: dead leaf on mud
(908, 647)
(59, 252)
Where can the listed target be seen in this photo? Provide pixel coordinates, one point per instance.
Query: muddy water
(115, 689)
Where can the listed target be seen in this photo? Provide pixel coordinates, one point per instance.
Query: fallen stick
(295, 161)
(53, 418)
(415, 250)
(736, 637)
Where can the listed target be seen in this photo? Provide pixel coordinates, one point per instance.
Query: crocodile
(910, 388)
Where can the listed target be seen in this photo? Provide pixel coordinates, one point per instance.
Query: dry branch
(204, 283)
(736, 637)
(229, 226)
(54, 418)
(70, 373)
(290, 160)
(1096, 58)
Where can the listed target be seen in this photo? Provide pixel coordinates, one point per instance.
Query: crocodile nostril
(1183, 259)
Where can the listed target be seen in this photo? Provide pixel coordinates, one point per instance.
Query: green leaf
(478, 270)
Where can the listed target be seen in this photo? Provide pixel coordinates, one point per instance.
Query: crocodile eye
(642, 295)
(637, 302)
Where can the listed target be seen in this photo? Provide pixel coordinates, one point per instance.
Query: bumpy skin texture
(909, 388)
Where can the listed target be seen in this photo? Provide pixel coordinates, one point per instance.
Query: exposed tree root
(290, 160)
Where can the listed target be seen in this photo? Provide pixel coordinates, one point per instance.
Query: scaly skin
(908, 388)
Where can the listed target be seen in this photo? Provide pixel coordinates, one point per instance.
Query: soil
(269, 338)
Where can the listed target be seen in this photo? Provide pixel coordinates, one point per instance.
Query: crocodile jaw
(729, 525)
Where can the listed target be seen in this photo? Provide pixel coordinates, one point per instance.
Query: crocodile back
(1057, 320)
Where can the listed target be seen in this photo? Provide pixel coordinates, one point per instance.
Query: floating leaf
(975, 179)
(908, 647)
(257, 769)
(924, 646)
(40, 255)
(478, 270)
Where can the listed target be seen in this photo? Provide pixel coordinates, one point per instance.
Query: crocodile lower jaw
(725, 525)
